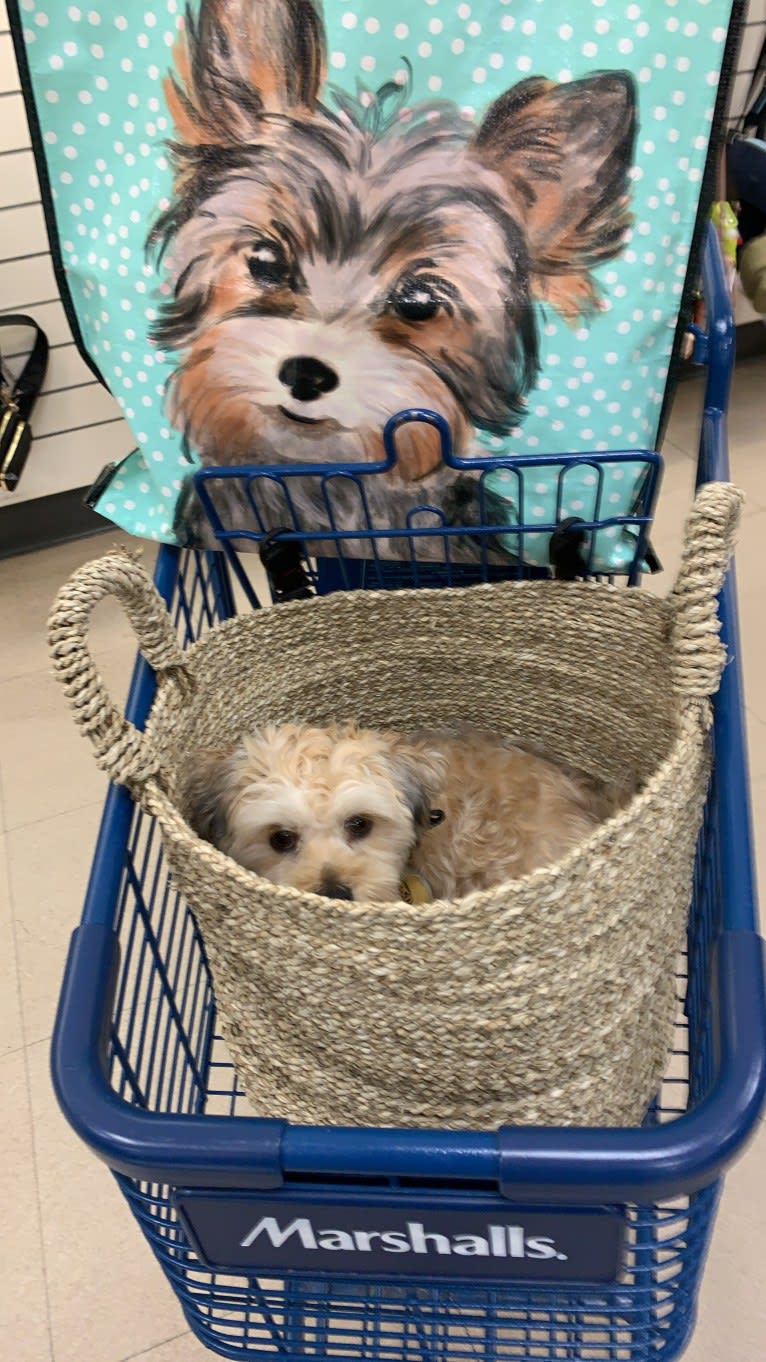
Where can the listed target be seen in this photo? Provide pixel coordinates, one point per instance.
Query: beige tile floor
(77, 1283)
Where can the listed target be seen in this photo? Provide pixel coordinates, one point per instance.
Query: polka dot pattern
(98, 71)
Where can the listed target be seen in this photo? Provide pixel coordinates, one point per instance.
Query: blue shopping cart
(142, 1075)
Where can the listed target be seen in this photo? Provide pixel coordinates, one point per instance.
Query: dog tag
(415, 890)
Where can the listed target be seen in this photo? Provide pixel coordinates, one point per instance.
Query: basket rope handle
(120, 748)
(698, 653)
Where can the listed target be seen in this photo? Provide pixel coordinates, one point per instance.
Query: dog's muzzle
(335, 889)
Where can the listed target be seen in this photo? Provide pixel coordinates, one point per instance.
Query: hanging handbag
(17, 398)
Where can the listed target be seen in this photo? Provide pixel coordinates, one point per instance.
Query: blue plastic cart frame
(138, 1071)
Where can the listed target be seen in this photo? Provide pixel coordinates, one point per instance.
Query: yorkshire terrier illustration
(331, 267)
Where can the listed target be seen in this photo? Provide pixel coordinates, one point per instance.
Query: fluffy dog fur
(332, 268)
(345, 812)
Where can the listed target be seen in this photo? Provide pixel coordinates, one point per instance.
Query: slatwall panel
(76, 423)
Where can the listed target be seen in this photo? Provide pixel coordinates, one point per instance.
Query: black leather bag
(17, 398)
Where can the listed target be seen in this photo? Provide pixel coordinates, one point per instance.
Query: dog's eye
(283, 841)
(267, 263)
(358, 827)
(416, 300)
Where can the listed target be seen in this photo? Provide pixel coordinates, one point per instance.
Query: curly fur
(508, 808)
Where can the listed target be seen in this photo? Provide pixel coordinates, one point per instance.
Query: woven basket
(548, 1000)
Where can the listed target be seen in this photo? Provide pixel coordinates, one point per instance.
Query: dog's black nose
(334, 889)
(307, 378)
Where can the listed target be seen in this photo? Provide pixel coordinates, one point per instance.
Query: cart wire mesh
(167, 1056)
(340, 523)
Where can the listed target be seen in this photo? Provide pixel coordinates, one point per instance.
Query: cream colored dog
(349, 813)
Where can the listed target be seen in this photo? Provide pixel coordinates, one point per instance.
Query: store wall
(77, 424)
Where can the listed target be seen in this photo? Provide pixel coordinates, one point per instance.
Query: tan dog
(348, 812)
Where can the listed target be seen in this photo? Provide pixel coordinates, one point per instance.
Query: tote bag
(277, 223)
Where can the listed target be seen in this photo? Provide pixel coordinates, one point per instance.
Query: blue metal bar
(219, 577)
(736, 833)
(736, 844)
(488, 462)
(436, 531)
(720, 330)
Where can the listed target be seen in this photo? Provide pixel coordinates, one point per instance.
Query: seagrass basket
(548, 1000)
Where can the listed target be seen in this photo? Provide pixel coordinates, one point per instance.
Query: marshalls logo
(500, 1241)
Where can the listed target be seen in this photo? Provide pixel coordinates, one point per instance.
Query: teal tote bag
(278, 223)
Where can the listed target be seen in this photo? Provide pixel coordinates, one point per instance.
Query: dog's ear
(564, 152)
(241, 59)
(204, 796)
(419, 772)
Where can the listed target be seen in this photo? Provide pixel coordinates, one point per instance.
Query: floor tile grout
(41, 1040)
(60, 813)
(45, 670)
(40, 1209)
(28, 1087)
(692, 458)
(14, 946)
(17, 1049)
(147, 1352)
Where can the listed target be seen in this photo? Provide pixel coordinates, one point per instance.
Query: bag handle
(25, 390)
(698, 654)
(120, 748)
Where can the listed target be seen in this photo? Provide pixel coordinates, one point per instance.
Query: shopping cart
(232, 1204)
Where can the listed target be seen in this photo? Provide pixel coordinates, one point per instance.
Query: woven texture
(547, 1000)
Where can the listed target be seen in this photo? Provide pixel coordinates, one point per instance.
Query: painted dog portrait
(334, 259)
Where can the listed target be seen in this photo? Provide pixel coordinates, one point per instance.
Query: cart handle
(699, 655)
(120, 748)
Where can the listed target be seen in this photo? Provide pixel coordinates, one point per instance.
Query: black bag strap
(23, 393)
